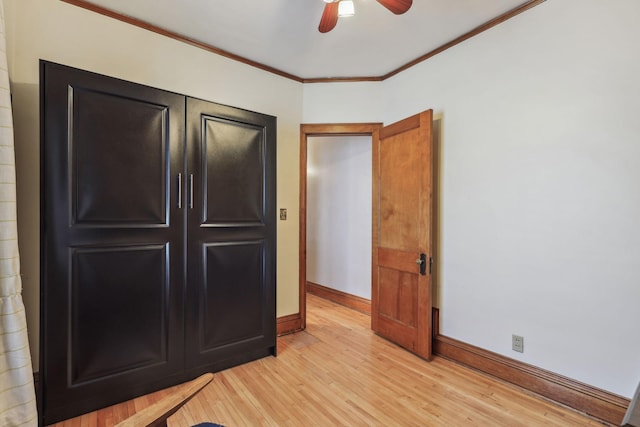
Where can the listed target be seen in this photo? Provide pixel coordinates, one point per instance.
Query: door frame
(329, 129)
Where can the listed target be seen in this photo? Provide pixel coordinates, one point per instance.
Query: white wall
(59, 32)
(539, 186)
(339, 213)
(539, 178)
(342, 102)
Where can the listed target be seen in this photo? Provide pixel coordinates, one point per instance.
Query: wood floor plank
(339, 373)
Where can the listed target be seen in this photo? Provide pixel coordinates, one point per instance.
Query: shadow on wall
(632, 417)
(437, 237)
(25, 102)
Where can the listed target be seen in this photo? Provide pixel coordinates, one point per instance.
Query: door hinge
(430, 264)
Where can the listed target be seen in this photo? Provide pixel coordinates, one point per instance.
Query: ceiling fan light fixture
(346, 8)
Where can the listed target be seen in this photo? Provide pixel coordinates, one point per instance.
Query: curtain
(17, 394)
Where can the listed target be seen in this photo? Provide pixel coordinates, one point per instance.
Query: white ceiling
(283, 34)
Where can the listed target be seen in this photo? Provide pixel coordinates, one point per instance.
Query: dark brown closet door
(112, 233)
(230, 313)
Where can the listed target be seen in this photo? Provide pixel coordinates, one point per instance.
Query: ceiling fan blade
(396, 6)
(329, 17)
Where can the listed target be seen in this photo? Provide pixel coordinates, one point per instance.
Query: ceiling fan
(335, 8)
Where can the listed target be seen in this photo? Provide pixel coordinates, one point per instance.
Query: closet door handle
(191, 191)
(179, 191)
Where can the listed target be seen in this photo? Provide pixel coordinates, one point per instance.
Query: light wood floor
(338, 373)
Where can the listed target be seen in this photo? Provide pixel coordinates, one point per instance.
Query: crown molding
(210, 48)
(179, 37)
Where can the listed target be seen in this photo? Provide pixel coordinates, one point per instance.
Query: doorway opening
(307, 133)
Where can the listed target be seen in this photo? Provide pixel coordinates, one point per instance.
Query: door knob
(422, 262)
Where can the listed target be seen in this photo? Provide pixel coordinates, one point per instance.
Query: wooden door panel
(398, 260)
(118, 180)
(233, 178)
(399, 196)
(398, 296)
(401, 294)
(403, 337)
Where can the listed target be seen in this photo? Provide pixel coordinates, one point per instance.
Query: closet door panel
(107, 131)
(232, 307)
(112, 241)
(233, 177)
(231, 236)
(115, 308)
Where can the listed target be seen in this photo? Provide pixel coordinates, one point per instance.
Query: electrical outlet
(517, 343)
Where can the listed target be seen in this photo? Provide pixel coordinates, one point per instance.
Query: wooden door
(112, 240)
(402, 246)
(231, 228)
